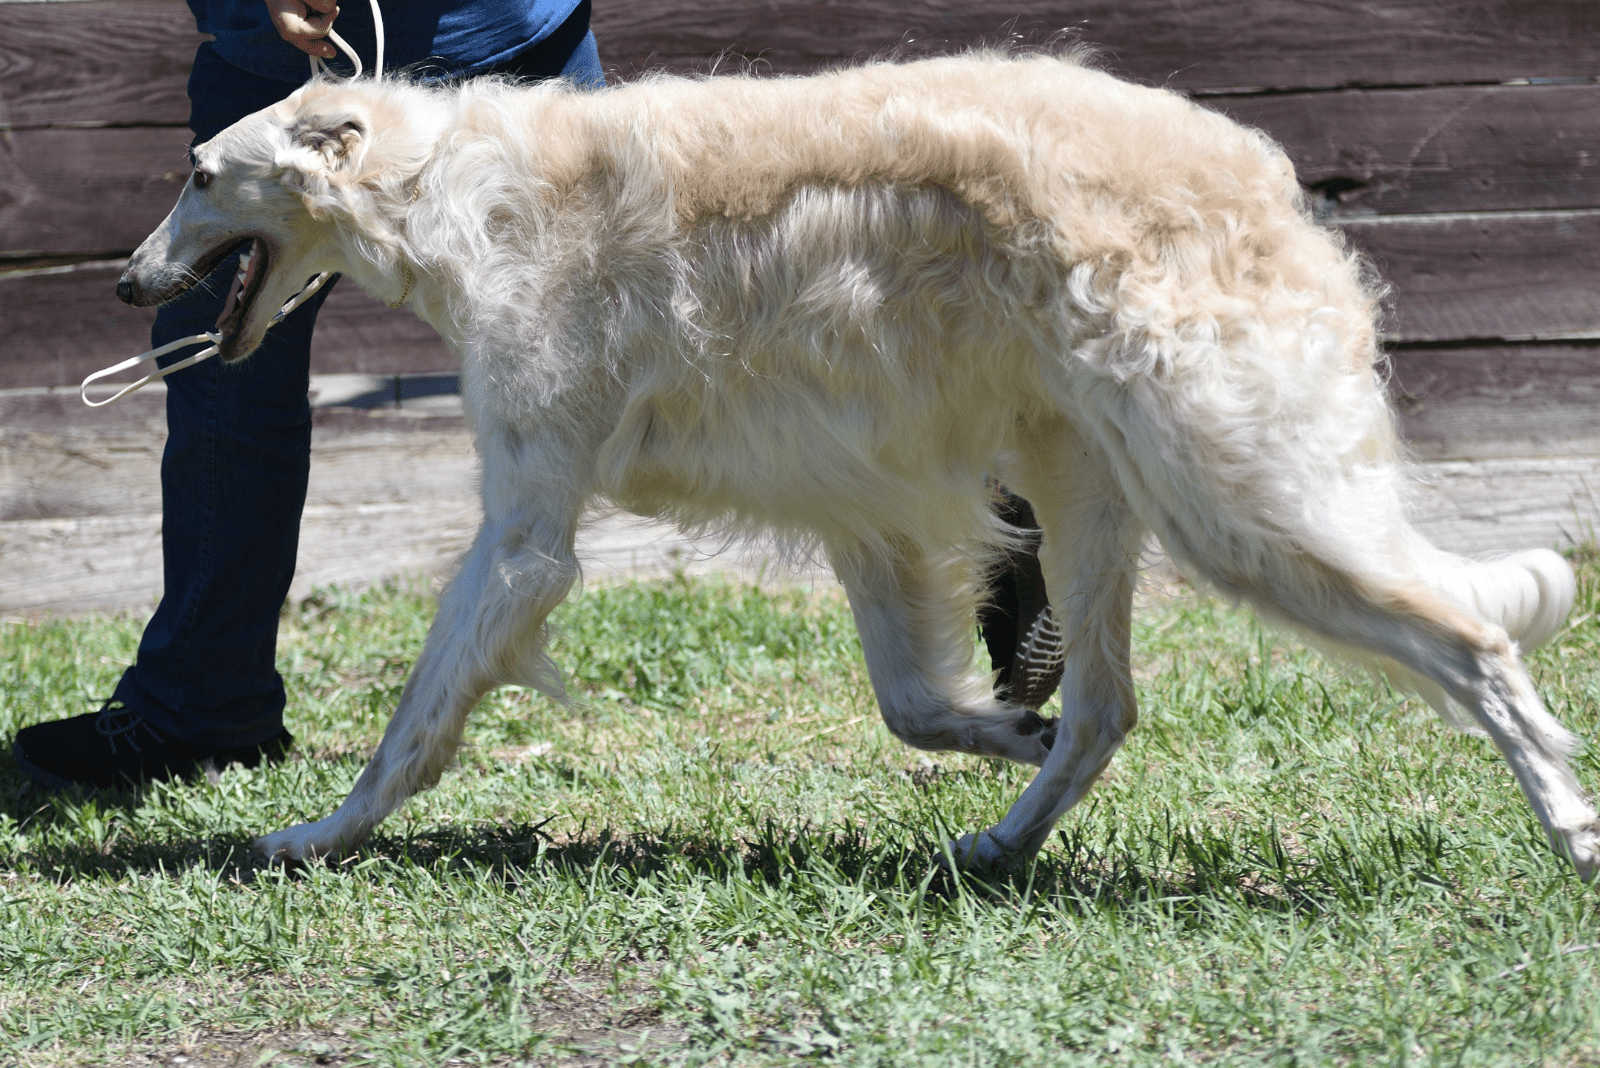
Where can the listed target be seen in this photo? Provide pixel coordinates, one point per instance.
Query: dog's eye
(201, 178)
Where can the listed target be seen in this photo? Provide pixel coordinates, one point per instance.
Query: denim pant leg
(233, 484)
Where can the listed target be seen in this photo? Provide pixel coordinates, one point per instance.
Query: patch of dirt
(582, 1030)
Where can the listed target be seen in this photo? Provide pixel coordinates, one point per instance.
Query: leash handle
(318, 67)
(192, 339)
(189, 361)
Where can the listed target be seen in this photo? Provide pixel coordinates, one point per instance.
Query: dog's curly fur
(832, 307)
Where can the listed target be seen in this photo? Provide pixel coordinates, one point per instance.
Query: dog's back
(890, 266)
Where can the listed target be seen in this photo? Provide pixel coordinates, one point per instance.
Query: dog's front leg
(489, 631)
(1097, 712)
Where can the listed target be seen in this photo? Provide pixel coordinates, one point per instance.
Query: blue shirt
(458, 36)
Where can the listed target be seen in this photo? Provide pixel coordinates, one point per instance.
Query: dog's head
(281, 187)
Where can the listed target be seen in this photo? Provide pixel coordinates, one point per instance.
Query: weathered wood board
(59, 324)
(87, 192)
(1455, 148)
(1197, 44)
(1503, 505)
(123, 62)
(1428, 131)
(98, 192)
(393, 491)
(1498, 402)
(113, 562)
(102, 62)
(1483, 275)
(61, 460)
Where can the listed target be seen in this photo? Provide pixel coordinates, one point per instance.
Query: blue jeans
(233, 477)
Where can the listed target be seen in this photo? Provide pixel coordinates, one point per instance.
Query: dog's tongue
(241, 281)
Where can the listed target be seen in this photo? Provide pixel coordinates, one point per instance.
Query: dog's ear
(336, 142)
(323, 151)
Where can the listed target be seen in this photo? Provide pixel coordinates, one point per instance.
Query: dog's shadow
(907, 864)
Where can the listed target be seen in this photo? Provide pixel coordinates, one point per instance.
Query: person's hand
(305, 24)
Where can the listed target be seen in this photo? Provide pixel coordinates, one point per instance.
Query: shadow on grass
(1188, 873)
(103, 814)
(1183, 869)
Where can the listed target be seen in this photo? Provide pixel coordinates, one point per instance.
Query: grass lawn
(718, 854)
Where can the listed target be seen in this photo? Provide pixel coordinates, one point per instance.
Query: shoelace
(118, 721)
(212, 336)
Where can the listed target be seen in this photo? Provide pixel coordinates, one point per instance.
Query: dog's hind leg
(1475, 662)
(915, 617)
(489, 631)
(1090, 556)
(1318, 540)
(1472, 660)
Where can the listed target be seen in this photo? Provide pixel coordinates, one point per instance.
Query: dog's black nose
(125, 290)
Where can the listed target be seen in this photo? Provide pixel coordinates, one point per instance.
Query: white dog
(828, 308)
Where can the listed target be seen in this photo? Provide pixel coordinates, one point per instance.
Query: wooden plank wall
(1457, 142)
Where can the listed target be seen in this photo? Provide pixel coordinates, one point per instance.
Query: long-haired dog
(837, 308)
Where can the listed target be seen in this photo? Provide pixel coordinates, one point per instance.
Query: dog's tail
(1529, 594)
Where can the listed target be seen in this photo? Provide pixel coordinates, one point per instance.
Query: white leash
(212, 336)
(193, 339)
(317, 66)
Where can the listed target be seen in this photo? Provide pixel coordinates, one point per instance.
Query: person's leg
(204, 686)
(233, 485)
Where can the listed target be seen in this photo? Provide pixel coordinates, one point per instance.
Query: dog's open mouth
(242, 292)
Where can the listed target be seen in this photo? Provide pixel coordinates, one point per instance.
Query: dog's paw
(1582, 848)
(980, 852)
(1030, 722)
(309, 841)
(1038, 733)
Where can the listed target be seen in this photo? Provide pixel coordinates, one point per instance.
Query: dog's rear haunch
(838, 308)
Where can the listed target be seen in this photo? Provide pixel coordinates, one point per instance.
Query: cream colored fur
(829, 307)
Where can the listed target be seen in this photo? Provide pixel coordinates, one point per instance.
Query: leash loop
(193, 339)
(211, 350)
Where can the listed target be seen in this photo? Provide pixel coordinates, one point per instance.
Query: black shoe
(114, 746)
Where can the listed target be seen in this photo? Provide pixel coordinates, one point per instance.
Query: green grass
(719, 855)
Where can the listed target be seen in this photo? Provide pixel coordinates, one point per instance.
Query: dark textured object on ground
(1018, 627)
